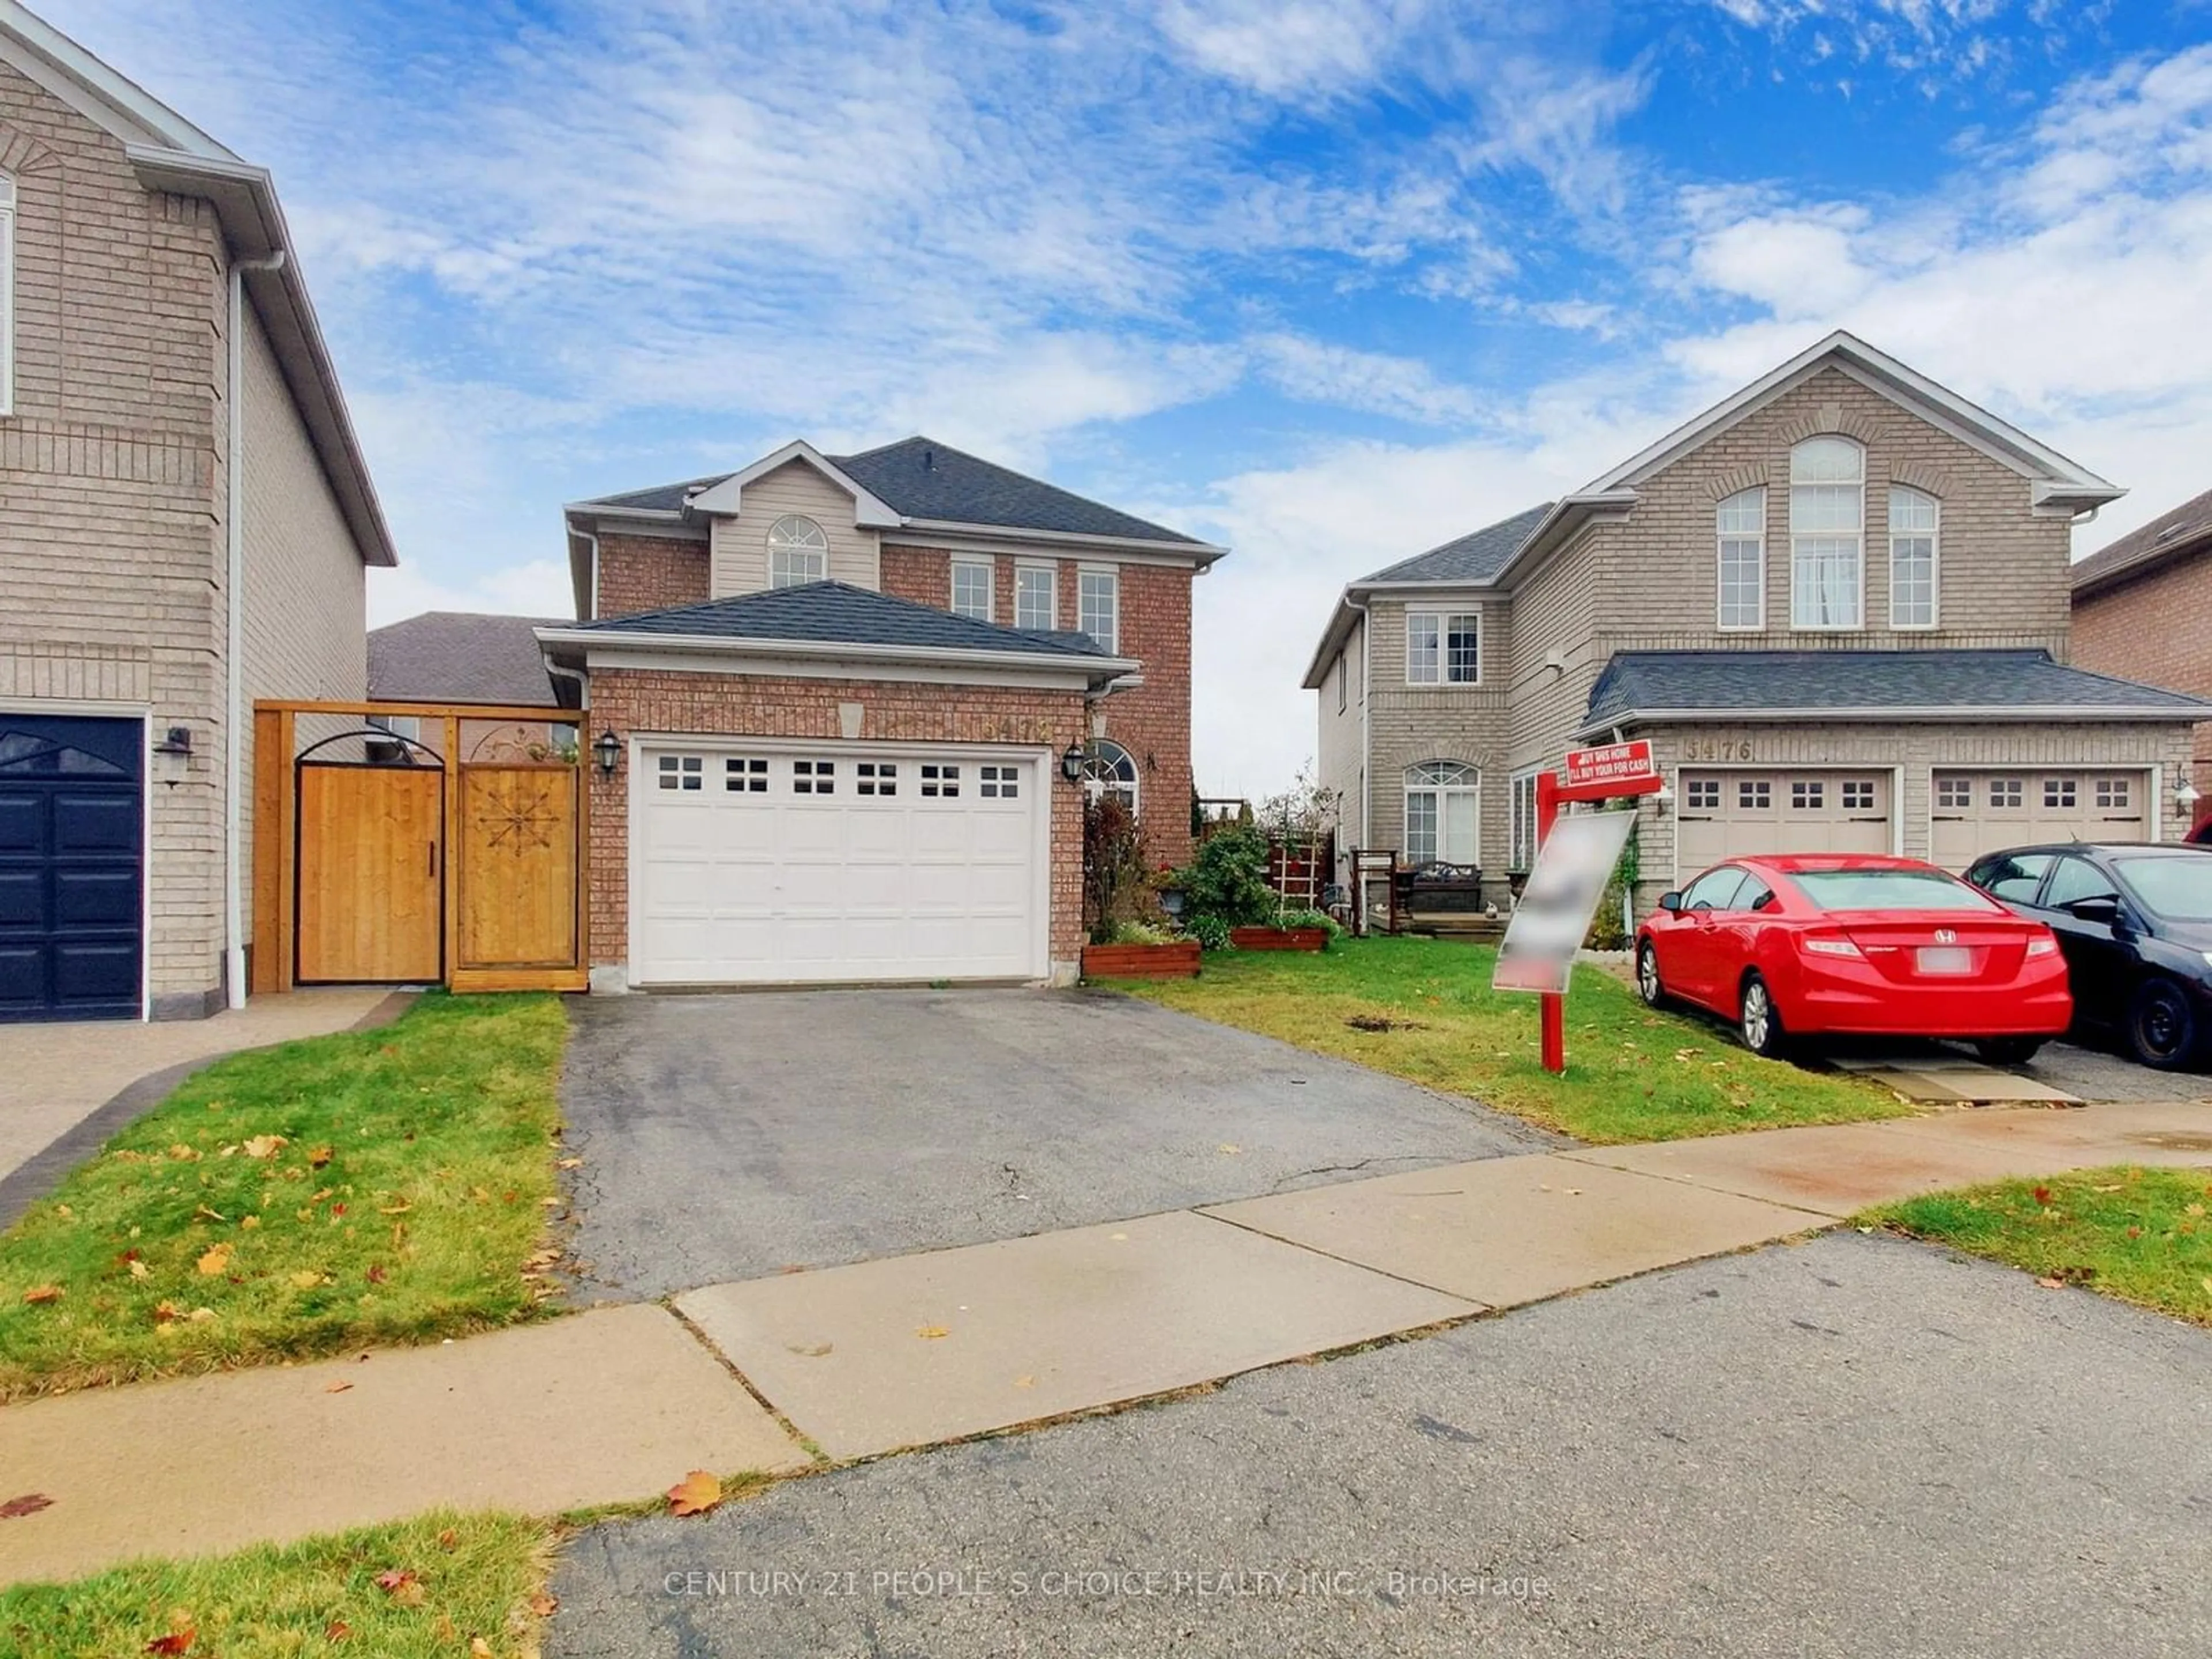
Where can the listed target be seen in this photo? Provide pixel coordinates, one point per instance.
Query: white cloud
(535, 587)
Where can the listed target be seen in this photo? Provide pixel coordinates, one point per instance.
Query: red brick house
(2142, 608)
(834, 700)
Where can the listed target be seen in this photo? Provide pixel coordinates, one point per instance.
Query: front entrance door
(371, 878)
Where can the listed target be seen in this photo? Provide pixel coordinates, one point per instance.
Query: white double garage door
(1734, 813)
(768, 864)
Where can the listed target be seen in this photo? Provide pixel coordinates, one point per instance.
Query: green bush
(1228, 880)
(1211, 933)
(1136, 933)
(1320, 919)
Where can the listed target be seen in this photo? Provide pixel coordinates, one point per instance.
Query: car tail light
(2043, 947)
(1815, 944)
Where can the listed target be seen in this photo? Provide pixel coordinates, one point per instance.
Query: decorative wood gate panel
(371, 874)
(518, 867)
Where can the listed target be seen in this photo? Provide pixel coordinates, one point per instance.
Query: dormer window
(797, 552)
(1827, 538)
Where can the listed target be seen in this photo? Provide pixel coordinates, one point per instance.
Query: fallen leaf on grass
(402, 1586)
(318, 1156)
(184, 1154)
(204, 1213)
(931, 1333)
(39, 1293)
(250, 1222)
(478, 1648)
(400, 1208)
(166, 1312)
(376, 1274)
(305, 1279)
(447, 1539)
(201, 1315)
(2043, 1195)
(545, 1603)
(265, 1146)
(182, 1634)
(29, 1504)
(216, 1262)
(337, 1630)
(696, 1493)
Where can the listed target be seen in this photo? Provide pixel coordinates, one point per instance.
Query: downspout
(1367, 702)
(233, 639)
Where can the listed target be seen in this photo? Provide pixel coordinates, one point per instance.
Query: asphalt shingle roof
(461, 656)
(2186, 529)
(1819, 682)
(837, 613)
(1474, 557)
(921, 479)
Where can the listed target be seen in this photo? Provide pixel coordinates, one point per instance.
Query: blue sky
(1328, 282)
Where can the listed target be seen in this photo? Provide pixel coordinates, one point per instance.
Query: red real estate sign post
(1604, 774)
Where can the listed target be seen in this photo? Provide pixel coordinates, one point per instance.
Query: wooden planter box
(1279, 939)
(1176, 960)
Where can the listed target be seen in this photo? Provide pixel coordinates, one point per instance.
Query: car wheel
(1760, 1021)
(1647, 977)
(2007, 1051)
(2161, 1026)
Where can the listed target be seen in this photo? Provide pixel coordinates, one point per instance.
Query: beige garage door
(1984, 812)
(1726, 815)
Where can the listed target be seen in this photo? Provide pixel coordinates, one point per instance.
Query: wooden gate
(517, 867)
(384, 856)
(371, 863)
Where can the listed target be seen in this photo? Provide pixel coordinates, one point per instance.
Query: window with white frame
(2005, 792)
(1702, 795)
(797, 552)
(1911, 558)
(1443, 647)
(1828, 521)
(1442, 812)
(1740, 523)
(972, 588)
(7, 294)
(1036, 596)
(2058, 791)
(1955, 791)
(2112, 791)
(1109, 770)
(1522, 851)
(1098, 606)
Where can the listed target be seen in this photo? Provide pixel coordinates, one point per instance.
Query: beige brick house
(2143, 608)
(177, 473)
(1836, 603)
(834, 703)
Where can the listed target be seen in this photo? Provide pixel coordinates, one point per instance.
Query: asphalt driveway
(730, 1137)
(1855, 1447)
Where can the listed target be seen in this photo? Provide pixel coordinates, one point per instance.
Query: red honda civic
(1802, 945)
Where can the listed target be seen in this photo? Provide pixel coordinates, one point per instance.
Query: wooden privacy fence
(410, 843)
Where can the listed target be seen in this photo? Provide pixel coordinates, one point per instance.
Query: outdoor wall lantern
(1071, 764)
(607, 748)
(1662, 798)
(2186, 796)
(177, 741)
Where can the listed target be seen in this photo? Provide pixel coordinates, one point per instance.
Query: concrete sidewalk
(617, 1404)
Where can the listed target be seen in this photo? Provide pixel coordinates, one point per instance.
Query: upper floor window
(1443, 647)
(1036, 596)
(7, 294)
(1911, 558)
(1740, 524)
(972, 588)
(1098, 606)
(797, 552)
(1827, 520)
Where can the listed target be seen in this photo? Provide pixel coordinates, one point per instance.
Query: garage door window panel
(941, 782)
(2058, 794)
(1827, 518)
(814, 777)
(877, 778)
(745, 775)
(683, 772)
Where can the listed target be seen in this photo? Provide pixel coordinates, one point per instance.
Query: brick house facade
(2142, 610)
(1912, 696)
(849, 563)
(173, 450)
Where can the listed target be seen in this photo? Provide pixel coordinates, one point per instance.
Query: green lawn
(1631, 1074)
(2140, 1235)
(388, 1186)
(450, 1580)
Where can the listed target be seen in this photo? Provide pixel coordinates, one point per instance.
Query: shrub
(1211, 933)
(1228, 879)
(1320, 919)
(1117, 888)
(1135, 932)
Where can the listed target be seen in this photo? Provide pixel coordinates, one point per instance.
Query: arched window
(1739, 524)
(1912, 584)
(1442, 813)
(7, 294)
(1109, 769)
(797, 552)
(1827, 541)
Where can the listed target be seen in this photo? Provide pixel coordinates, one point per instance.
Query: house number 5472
(1717, 749)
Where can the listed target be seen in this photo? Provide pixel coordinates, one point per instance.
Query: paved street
(1853, 1447)
(727, 1136)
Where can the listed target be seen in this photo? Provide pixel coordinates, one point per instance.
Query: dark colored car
(2136, 924)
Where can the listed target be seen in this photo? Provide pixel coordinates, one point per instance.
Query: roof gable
(838, 613)
(1475, 557)
(870, 511)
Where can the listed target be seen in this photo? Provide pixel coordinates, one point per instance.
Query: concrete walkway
(54, 1076)
(906, 1351)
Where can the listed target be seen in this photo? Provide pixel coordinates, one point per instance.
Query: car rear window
(1889, 890)
(2178, 888)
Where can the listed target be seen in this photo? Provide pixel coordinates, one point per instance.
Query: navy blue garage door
(71, 866)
